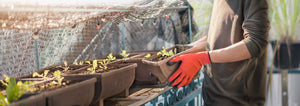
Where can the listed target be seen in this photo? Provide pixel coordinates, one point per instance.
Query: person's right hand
(190, 64)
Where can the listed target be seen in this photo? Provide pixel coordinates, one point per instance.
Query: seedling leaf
(124, 54)
(148, 55)
(88, 62)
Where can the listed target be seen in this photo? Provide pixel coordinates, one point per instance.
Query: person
(233, 54)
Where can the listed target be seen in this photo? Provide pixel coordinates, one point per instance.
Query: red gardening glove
(190, 64)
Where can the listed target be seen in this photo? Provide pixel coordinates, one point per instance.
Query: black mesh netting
(68, 32)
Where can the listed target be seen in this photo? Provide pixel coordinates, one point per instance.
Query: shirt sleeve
(256, 26)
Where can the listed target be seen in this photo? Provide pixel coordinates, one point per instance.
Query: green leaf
(148, 55)
(45, 73)
(12, 91)
(90, 69)
(6, 78)
(111, 57)
(158, 53)
(3, 102)
(57, 76)
(75, 63)
(35, 74)
(124, 54)
(175, 51)
(171, 53)
(66, 63)
(95, 64)
(81, 62)
(88, 62)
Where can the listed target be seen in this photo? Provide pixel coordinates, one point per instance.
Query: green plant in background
(14, 90)
(201, 16)
(44, 75)
(285, 19)
(124, 54)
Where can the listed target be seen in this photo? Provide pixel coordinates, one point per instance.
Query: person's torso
(234, 82)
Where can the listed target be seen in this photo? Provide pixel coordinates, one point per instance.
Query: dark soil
(47, 86)
(159, 58)
(109, 68)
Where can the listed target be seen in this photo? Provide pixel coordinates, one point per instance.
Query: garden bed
(72, 92)
(116, 81)
(159, 68)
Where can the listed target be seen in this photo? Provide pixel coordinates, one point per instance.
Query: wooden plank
(139, 97)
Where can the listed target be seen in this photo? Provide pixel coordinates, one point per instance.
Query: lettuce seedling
(57, 76)
(124, 54)
(15, 90)
(164, 54)
(147, 55)
(110, 57)
(93, 69)
(44, 75)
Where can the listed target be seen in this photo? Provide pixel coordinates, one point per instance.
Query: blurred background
(35, 34)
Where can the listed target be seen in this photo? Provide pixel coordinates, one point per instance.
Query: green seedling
(27, 86)
(166, 54)
(80, 63)
(57, 76)
(14, 90)
(93, 69)
(110, 57)
(65, 67)
(103, 64)
(124, 54)
(148, 55)
(75, 63)
(6, 79)
(44, 75)
(88, 62)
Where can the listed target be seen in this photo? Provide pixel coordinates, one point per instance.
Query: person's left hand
(190, 64)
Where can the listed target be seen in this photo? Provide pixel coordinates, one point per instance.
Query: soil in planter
(101, 70)
(46, 85)
(175, 49)
(43, 86)
(118, 57)
(52, 69)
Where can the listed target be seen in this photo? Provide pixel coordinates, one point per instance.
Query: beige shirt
(243, 82)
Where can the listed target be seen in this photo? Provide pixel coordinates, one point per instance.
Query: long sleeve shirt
(243, 82)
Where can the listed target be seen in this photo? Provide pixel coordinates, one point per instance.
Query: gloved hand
(190, 64)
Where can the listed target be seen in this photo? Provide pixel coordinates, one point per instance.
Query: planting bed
(159, 68)
(115, 81)
(72, 92)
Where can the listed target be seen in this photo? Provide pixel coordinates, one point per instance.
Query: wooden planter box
(287, 56)
(160, 69)
(111, 83)
(79, 93)
(143, 75)
(31, 100)
(54, 68)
